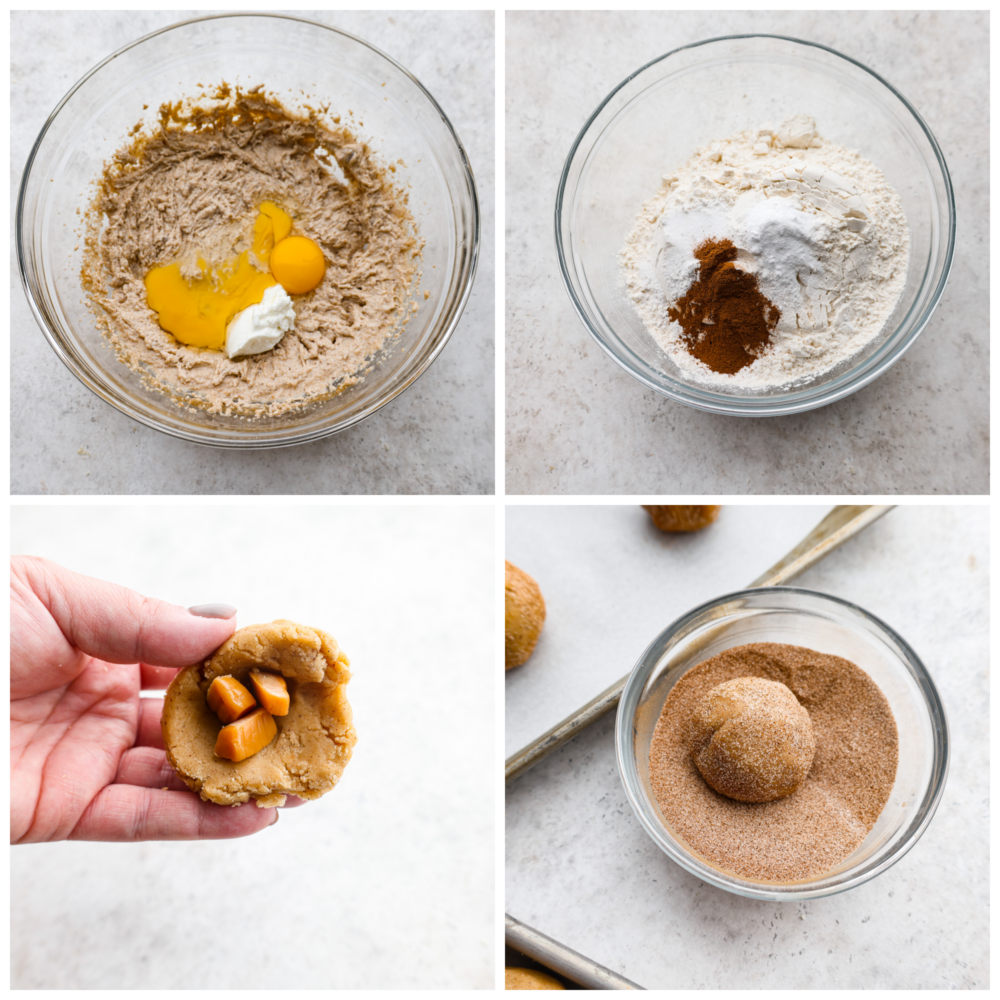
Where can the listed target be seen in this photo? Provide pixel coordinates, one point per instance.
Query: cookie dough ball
(314, 741)
(529, 979)
(524, 616)
(752, 740)
(682, 518)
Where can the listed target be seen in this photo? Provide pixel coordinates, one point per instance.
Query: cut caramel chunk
(245, 737)
(271, 691)
(229, 699)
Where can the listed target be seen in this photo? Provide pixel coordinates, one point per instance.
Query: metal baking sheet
(612, 581)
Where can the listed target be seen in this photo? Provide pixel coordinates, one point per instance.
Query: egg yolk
(197, 310)
(297, 263)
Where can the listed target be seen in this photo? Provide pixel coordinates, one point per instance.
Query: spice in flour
(727, 323)
(848, 782)
(816, 224)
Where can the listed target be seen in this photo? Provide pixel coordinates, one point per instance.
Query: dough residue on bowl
(191, 189)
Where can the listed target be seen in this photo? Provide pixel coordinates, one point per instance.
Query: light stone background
(437, 437)
(577, 423)
(581, 869)
(386, 882)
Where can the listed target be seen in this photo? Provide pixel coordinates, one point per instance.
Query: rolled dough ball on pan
(681, 518)
(524, 614)
(529, 979)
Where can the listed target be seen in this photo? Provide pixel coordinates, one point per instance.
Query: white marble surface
(386, 882)
(580, 868)
(611, 566)
(438, 437)
(578, 424)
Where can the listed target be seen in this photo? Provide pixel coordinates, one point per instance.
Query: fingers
(116, 624)
(123, 812)
(148, 768)
(156, 678)
(149, 733)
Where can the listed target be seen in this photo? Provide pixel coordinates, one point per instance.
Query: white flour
(817, 223)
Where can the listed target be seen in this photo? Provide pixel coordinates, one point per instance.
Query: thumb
(116, 624)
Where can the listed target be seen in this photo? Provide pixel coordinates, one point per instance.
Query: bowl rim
(315, 434)
(704, 399)
(759, 890)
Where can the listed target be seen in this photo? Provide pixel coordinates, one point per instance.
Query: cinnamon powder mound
(812, 830)
(727, 322)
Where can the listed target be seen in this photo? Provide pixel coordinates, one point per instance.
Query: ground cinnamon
(727, 322)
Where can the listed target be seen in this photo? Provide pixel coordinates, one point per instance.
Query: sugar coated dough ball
(529, 979)
(681, 518)
(524, 615)
(752, 740)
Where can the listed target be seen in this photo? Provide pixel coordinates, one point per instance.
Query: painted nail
(213, 610)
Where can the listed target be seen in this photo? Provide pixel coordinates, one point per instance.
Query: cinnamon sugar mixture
(815, 828)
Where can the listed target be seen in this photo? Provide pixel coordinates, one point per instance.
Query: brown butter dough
(191, 189)
(315, 739)
(682, 518)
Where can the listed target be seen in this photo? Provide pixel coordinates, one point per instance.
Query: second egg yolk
(197, 310)
(298, 265)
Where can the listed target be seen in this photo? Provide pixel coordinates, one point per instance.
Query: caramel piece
(271, 691)
(246, 736)
(229, 699)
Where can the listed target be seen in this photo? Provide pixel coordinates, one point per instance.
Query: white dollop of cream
(259, 328)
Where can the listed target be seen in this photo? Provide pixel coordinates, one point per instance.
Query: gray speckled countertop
(581, 869)
(438, 437)
(577, 423)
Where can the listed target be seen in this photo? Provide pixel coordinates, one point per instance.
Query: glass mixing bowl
(829, 625)
(651, 123)
(391, 111)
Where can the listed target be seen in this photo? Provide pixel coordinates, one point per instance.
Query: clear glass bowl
(829, 625)
(653, 121)
(291, 56)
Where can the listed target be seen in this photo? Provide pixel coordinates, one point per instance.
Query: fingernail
(277, 816)
(213, 610)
